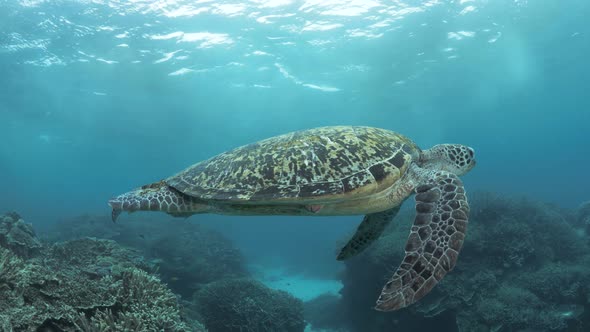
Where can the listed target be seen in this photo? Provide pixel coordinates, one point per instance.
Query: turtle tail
(157, 196)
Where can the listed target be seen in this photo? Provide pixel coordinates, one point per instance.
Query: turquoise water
(98, 97)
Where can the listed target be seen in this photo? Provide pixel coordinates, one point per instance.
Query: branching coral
(142, 304)
(95, 257)
(23, 304)
(189, 255)
(144, 299)
(88, 285)
(249, 306)
(129, 301)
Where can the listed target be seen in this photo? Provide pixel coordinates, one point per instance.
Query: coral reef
(18, 236)
(324, 313)
(192, 256)
(249, 306)
(94, 257)
(524, 266)
(86, 284)
(584, 212)
(583, 216)
(143, 304)
(189, 255)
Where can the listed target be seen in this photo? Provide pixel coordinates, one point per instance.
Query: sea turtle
(339, 170)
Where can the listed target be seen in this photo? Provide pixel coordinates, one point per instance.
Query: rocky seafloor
(525, 266)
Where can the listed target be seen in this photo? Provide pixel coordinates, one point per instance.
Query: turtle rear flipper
(158, 196)
(368, 231)
(434, 242)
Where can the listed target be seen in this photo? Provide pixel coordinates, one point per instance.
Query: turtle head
(454, 158)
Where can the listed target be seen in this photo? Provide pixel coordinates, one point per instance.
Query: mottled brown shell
(321, 164)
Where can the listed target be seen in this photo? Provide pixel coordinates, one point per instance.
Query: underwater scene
(294, 165)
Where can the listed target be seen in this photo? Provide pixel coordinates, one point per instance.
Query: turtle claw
(314, 208)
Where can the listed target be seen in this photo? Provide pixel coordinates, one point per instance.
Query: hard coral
(86, 284)
(191, 256)
(12, 281)
(11, 267)
(249, 306)
(519, 232)
(142, 304)
(94, 257)
(18, 236)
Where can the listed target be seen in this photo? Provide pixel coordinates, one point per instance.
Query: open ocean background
(98, 97)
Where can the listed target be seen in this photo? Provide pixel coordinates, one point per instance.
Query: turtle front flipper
(434, 242)
(368, 231)
(157, 196)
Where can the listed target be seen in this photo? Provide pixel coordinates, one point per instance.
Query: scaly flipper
(368, 231)
(434, 243)
(157, 196)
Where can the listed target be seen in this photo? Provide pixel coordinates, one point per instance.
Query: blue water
(99, 97)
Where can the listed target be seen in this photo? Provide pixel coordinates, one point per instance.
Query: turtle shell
(321, 164)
